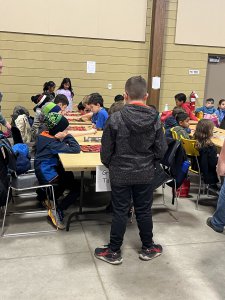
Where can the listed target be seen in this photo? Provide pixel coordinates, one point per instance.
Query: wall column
(156, 48)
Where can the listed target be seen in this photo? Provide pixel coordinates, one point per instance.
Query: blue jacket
(220, 114)
(206, 110)
(46, 160)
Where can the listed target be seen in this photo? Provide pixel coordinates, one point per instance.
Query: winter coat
(186, 108)
(207, 162)
(132, 142)
(181, 132)
(23, 125)
(46, 160)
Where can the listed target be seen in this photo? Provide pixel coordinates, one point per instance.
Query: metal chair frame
(17, 184)
(30, 188)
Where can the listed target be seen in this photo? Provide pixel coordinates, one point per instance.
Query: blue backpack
(23, 163)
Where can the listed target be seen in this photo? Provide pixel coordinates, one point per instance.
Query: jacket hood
(170, 122)
(139, 118)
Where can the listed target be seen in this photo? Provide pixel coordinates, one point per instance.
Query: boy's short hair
(176, 111)
(182, 116)
(181, 97)
(118, 98)
(211, 100)
(85, 100)
(95, 98)
(61, 99)
(136, 87)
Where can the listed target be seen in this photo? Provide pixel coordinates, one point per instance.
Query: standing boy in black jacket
(132, 142)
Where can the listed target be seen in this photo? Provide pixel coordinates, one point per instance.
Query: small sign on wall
(102, 179)
(194, 72)
(91, 67)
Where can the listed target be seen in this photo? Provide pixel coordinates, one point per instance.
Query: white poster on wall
(102, 179)
(91, 67)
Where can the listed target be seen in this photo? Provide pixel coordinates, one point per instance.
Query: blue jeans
(218, 219)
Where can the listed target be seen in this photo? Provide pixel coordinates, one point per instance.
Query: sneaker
(55, 219)
(108, 255)
(209, 223)
(151, 252)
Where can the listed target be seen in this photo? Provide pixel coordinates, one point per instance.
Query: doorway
(215, 78)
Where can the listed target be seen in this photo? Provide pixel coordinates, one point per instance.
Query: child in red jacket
(181, 102)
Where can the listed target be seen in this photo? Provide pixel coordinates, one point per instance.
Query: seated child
(48, 89)
(181, 102)
(220, 112)
(39, 100)
(208, 108)
(60, 105)
(117, 105)
(208, 152)
(81, 108)
(48, 168)
(62, 101)
(52, 107)
(182, 119)
(87, 110)
(171, 121)
(100, 115)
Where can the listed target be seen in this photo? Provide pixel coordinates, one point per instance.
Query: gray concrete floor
(62, 265)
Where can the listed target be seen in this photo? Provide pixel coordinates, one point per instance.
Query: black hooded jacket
(133, 140)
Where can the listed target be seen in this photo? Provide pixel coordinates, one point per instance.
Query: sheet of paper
(91, 67)
(102, 179)
(156, 83)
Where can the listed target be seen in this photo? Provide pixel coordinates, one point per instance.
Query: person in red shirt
(181, 102)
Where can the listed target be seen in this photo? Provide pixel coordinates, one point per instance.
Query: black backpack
(172, 163)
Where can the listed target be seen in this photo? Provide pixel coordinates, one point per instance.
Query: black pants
(65, 181)
(142, 195)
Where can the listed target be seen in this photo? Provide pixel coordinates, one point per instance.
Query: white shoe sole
(146, 258)
(110, 262)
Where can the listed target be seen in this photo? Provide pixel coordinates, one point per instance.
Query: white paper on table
(156, 83)
(102, 179)
(91, 67)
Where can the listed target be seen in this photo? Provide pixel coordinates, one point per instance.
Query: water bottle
(166, 107)
(185, 166)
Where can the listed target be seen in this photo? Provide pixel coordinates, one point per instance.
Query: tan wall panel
(84, 18)
(54, 40)
(30, 60)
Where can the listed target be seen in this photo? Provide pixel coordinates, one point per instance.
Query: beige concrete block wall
(177, 61)
(30, 60)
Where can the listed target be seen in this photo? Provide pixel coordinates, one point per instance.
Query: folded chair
(25, 182)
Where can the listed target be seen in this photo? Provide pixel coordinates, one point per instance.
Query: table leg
(75, 214)
(81, 192)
